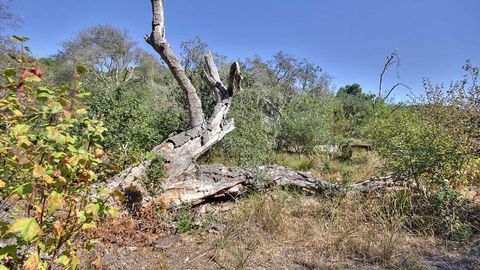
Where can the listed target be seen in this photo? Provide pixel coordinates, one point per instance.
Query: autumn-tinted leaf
(55, 202)
(56, 107)
(19, 129)
(55, 135)
(27, 227)
(58, 229)
(63, 260)
(39, 172)
(32, 263)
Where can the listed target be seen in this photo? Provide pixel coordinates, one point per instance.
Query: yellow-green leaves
(55, 202)
(39, 172)
(55, 135)
(93, 209)
(75, 262)
(82, 111)
(27, 227)
(51, 148)
(114, 212)
(23, 141)
(55, 107)
(23, 189)
(63, 260)
(17, 113)
(19, 129)
(44, 94)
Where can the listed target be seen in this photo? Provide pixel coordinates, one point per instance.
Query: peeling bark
(212, 182)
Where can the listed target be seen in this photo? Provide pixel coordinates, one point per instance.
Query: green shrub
(451, 209)
(445, 213)
(154, 174)
(416, 149)
(135, 123)
(251, 143)
(50, 153)
(185, 221)
(307, 121)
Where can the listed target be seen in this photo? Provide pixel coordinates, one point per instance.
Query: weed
(256, 210)
(154, 174)
(243, 255)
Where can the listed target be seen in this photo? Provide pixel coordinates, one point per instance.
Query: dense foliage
(307, 123)
(50, 152)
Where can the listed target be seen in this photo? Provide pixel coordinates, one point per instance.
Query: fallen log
(217, 182)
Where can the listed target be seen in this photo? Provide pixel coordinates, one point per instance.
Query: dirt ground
(191, 252)
(279, 231)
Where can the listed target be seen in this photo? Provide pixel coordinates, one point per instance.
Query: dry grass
(310, 231)
(286, 229)
(140, 229)
(361, 166)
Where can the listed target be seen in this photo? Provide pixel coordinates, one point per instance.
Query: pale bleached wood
(158, 41)
(180, 151)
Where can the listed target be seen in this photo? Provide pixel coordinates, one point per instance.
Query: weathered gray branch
(158, 41)
(180, 152)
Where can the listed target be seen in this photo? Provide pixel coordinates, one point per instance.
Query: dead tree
(392, 59)
(179, 152)
(185, 181)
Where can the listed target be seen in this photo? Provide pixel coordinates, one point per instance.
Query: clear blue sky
(349, 39)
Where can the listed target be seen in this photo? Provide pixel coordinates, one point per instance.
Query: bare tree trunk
(185, 182)
(180, 152)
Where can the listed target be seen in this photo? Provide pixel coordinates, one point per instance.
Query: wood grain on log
(211, 182)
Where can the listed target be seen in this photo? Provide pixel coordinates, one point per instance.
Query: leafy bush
(135, 124)
(445, 213)
(355, 111)
(50, 151)
(307, 122)
(417, 149)
(251, 143)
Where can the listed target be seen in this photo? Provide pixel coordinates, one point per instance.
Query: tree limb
(159, 42)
